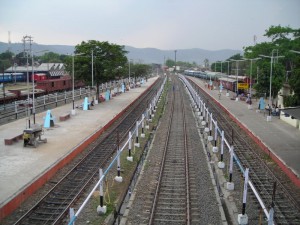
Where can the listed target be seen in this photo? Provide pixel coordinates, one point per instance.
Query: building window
(52, 84)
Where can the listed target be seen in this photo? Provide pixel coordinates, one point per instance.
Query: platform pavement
(282, 139)
(19, 165)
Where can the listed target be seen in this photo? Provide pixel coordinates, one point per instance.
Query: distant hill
(141, 55)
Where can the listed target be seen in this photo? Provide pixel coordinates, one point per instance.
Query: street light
(237, 74)
(272, 58)
(295, 51)
(251, 60)
(73, 77)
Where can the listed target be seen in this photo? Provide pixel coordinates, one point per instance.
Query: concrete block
(215, 149)
(221, 165)
(119, 179)
(242, 219)
(101, 210)
(230, 186)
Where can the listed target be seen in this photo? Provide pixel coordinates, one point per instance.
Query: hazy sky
(163, 24)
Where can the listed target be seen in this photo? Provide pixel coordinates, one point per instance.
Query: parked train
(12, 77)
(230, 82)
(61, 84)
(20, 77)
(45, 87)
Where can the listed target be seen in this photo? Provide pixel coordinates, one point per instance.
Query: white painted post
(230, 184)
(210, 137)
(215, 148)
(118, 178)
(129, 157)
(143, 125)
(72, 214)
(101, 209)
(206, 129)
(137, 144)
(243, 218)
(221, 164)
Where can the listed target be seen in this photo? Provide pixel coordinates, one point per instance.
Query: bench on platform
(10, 141)
(64, 117)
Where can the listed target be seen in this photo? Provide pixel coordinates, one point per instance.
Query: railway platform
(23, 170)
(279, 139)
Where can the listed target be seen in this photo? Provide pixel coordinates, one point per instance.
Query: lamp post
(251, 60)
(26, 39)
(237, 74)
(272, 59)
(73, 78)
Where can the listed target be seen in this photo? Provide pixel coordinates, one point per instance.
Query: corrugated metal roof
(54, 69)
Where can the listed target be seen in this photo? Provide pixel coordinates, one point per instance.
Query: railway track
(263, 173)
(53, 207)
(171, 199)
(177, 197)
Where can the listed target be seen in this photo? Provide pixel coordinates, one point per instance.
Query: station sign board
(243, 86)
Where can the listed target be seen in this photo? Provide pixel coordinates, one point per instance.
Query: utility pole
(175, 62)
(26, 50)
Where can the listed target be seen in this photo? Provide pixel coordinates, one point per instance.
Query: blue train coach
(12, 77)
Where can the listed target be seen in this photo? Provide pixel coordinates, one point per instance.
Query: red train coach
(61, 84)
(39, 76)
(53, 85)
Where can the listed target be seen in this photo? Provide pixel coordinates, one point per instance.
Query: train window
(52, 84)
(64, 83)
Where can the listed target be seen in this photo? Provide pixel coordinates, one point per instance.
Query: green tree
(109, 59)
(51, 57)
(283, 39)
(5, 60)
(138, 70)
